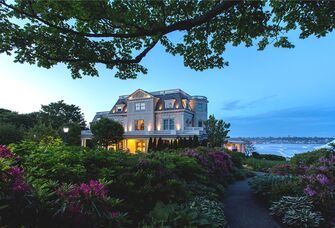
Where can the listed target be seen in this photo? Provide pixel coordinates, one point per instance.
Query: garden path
(242, 209)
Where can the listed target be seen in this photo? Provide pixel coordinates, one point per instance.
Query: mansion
(167, 114)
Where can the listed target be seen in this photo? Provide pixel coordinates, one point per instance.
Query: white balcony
(188, 131)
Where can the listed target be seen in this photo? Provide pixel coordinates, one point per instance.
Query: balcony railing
(189, 131)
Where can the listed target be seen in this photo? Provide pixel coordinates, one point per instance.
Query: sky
(275, 92)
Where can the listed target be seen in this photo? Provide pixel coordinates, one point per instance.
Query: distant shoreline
(286, 140)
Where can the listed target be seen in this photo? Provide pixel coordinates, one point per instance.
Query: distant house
(236, 145)
(167, 114)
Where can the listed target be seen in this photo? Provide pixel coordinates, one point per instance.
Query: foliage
(178, 143)
(271, 157)
(40, 131)
(10, 134)
(310, 157)
(237, 158)
(74, 186)
(217, 131)
(87, 203)
(262, 164)
(297, 211)
(59, 114)
(319, 182)
(249, 148)
(271, 187)
(198, 212)
(106, 132)
(119, 35)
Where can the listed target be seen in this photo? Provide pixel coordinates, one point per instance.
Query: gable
(140, 94)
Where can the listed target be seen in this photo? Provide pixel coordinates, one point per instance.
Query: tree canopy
(217, 131)
(106, 132)
(120, 33)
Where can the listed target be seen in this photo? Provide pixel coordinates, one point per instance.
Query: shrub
(310, 157)
(262, 164)
(296, 211)
(271, 157)
(271, 187)
(200, 212)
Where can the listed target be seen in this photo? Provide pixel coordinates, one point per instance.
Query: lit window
(139, 125)
(139, 106)
(168, 124)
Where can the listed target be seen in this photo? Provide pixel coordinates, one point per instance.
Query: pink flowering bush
(319, 181)
(88, 204)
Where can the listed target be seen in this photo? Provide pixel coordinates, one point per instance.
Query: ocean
(286, 150)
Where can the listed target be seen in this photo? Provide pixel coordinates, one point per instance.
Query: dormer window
(169, 104)
(119, 109)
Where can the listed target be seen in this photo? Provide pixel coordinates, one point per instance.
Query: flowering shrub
(15, 193)
(222, 162)
(319, 182)
(282, 169)
(88, 203)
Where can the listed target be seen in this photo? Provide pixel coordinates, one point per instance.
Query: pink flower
(309, 191)
(98, 188)
(15, 171)
(323, 179)
(20, 186)
(323, 168)
(115, 213)
(85, 189)
(5, 153)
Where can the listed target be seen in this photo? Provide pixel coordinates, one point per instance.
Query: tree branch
(161, 30)
(137, 59)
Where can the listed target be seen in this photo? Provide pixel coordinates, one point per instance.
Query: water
(286, 150)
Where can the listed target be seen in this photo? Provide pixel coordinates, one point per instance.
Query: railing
(188, 131)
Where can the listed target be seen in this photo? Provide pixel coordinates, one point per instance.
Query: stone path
(242, 209)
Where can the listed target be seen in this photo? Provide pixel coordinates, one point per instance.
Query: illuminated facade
(167, 114)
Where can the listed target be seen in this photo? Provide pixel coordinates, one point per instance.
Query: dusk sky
(276, 92)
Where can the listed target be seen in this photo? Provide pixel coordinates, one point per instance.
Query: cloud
(238, 104)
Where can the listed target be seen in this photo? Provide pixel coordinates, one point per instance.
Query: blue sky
(276, 92)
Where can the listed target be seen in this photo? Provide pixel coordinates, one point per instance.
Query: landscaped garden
(50, 184)
(301, 192)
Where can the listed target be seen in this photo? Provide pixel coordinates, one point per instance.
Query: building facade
(165, 114)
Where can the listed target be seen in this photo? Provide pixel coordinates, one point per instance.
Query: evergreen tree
(160, 144)
(150, 144)
(190, 142)
(154, 145)
(175, 144)
(184, 142)
(196, 142)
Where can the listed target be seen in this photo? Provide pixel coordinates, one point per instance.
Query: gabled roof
(140, 94)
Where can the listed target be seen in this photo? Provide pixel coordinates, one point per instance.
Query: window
(169, 104)
(168, 124)
(200, 107)
(119, 108)
(200, 123)
(139, 125)
(139, 106)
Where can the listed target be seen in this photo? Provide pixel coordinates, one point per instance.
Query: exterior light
(66, 129)
(178, 127)
(149, 127)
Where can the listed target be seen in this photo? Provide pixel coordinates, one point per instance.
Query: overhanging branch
(161, 30)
